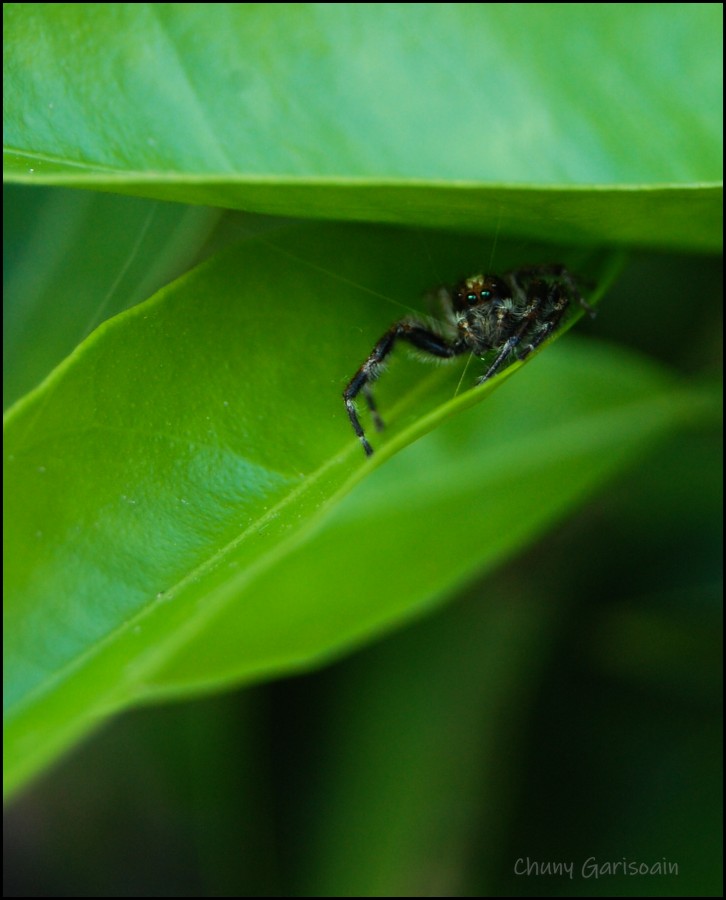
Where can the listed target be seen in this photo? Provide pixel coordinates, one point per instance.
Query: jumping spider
(512, 315)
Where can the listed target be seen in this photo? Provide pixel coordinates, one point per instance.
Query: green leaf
(573, 122)
(73, 259)
(169, 488)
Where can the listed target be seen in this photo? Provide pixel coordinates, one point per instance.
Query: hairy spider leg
(546, 328)
(415, 334)
(537, 296)
(375, 415)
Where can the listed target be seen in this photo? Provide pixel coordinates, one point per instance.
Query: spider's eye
(486, 295)
(472, 298)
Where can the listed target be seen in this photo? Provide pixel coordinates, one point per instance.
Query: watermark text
(592, 867)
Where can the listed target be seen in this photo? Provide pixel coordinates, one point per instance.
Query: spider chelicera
(512, 315)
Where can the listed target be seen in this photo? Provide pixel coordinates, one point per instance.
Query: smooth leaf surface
(162, 484)
(476, 490)
(72, 259)
(565, 121)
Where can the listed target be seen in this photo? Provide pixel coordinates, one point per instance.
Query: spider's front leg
(418, 336)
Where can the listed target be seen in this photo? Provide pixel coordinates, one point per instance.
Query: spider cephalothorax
(507, 316)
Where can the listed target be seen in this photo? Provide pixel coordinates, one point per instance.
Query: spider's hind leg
(526, 277)
(543, 328)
